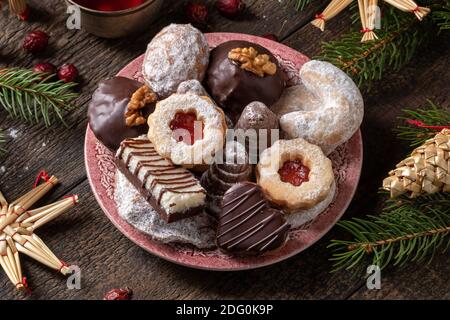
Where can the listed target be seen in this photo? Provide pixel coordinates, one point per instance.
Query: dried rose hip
(230, 8)
(68, 73)
(35, 41)
(119, 294)
(197, 14)
(45, 69)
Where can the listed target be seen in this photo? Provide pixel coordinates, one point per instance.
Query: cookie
(295, 174)
(187, 129)
(199, 230)
(107, 109)
(179, 52)
(326, 109)
(233, 86)
(231, 168)
(171, 190)
(247, 225)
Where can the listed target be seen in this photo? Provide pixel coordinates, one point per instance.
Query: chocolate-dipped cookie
(247, 225)
(107, 109)
(258, 117)
(234, 86)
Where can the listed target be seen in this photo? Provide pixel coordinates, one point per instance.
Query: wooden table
(85, 237)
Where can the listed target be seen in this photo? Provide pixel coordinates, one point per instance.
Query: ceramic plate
(347, 161)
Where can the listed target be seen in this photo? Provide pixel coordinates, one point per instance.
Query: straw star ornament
(17, 227)
(369, 14)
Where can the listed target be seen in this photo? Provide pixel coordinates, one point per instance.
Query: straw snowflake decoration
(17, 226)
(368, 11)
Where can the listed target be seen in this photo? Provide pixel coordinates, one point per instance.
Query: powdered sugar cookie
(326, 109)
(177, 53)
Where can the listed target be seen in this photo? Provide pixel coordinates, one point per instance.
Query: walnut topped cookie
(187, 129)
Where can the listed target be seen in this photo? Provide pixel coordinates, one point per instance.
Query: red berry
(35, 41)
(230, 8)
(271, 36)
(197, 13)
(68, 72)
(45, 68)
(119, 294)
(25, 14)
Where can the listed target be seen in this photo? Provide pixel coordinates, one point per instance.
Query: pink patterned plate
(347, 161)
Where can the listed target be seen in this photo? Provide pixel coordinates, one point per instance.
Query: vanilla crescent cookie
(325, 109)
(187, 129)
(179, 52)
(295, 174)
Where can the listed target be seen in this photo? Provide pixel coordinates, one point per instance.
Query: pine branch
(442, 16)
(406, 231)
(432, 115)
(366, 62)
(299, 5)
(24, 95)
(2, 141)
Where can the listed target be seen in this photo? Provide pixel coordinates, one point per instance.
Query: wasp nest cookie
(187, 129)
(296, 175)
(326, 109)
(177, 53)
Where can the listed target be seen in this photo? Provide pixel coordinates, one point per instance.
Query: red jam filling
(186, 128)
(294, 172)
(109, 5)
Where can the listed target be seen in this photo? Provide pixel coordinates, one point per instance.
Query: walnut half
(140, 98)
(250, 60)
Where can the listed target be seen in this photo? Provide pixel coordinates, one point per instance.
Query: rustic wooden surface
(85, 237)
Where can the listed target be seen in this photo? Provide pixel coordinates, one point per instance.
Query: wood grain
(85, 237)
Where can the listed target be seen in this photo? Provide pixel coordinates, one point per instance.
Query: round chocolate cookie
(106, 111)
(233, 87)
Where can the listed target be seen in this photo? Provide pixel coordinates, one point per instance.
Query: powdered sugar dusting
(198, 230)
(326, 109)
(177, 53)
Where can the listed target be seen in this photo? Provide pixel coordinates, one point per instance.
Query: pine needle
(367, 62)
(406, 231)
(299, 5)
(24, 95)
(431, 115)
(2, 141)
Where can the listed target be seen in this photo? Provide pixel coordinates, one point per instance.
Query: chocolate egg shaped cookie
(107, 109)
(241, 72)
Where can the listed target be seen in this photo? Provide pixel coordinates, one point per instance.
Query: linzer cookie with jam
(247, 225)
(297, 177)
(172, 191)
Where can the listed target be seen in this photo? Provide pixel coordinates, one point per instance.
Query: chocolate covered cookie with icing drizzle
(247, 225)
(171, 190)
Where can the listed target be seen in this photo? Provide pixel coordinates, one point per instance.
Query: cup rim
(112, 13)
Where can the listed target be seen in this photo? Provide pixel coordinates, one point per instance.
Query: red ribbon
(25, 285)
(42, 175)
(416, 9)
(74, 198)
(320, 16)
(420, 124)
(63, 264)
(365, 30)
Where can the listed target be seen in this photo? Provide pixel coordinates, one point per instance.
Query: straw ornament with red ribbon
(18, 223)
(19, 7)
(368, 10)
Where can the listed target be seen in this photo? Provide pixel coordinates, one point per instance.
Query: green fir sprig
(298, 4)
(2, 141)
(432, 114)
(406, 231)
(25, 95)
